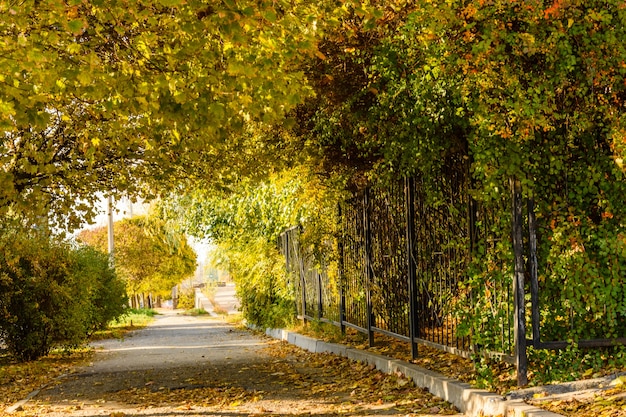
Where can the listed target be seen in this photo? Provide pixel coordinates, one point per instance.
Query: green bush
(106, 298)
(52, 294)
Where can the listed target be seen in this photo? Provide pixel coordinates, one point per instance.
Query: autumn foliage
(148, 97)
(149, 258)
(532, 90)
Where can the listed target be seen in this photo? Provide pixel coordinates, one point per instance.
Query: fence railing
(424, 263)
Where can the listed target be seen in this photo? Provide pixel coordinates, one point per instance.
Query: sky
(123, 208)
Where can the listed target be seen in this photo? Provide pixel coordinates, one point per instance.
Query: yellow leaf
(619, 381)
(320, 55)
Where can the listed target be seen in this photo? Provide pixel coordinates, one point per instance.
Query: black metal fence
(422, 262)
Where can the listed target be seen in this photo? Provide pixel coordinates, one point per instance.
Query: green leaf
(84, 78)
(270, 15)
(76, 26)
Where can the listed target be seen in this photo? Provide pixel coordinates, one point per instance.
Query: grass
(134, 319)
(219, 310)
(236, 319)
(196, 312)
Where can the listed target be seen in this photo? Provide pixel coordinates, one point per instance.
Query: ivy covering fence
(422, 260)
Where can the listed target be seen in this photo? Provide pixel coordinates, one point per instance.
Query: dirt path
(195, 366)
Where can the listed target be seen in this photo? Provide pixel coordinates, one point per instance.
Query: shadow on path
(192, 366)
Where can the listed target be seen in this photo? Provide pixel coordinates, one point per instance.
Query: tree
(495, 90)
(129, 97)
(529, 90)
(150, 258)
(151, 96)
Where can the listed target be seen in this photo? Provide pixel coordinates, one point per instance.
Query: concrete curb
(20, 404)
(472, 402)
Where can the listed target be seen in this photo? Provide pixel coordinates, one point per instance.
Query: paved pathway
(225, 298)
(202, 366)
(174, 353)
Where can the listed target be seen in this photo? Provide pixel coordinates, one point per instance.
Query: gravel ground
(200, 366)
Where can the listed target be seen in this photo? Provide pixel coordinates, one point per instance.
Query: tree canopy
(139, 97)
(530, 90)
(119, 97)
(318, 100)
(245, 225)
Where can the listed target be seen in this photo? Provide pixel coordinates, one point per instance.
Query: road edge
(470, 401)
(17, 406)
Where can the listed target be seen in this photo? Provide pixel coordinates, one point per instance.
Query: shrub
(265, 294)
(52, 294)
(106, 298)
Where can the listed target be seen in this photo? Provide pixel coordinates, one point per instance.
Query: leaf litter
(356, 383)
(288, 380)
(18, 379)
(603, 403)
(338, 385)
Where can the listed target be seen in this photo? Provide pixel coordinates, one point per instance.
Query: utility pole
(110, 228)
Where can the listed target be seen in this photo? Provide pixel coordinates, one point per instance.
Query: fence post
(320, 297)
(534, 279)
(519, 320)
(409, 201)
(302, 276)
(286, 241)
(342, 293)
(368, 265)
